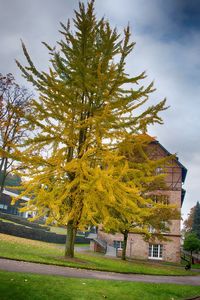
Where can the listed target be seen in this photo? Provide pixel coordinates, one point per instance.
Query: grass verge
(58, 230)
(35, 251)
(17, 286)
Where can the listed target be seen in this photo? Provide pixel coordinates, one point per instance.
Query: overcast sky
(167, 35)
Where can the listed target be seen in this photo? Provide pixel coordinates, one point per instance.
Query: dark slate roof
(184, 170)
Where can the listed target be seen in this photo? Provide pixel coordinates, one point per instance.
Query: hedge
(37, 234)
(22, 221)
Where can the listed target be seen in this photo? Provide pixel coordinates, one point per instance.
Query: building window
(159, 170)
(163, 228)
(118, 244)
(3, 206)
(151, 229)
(163, 199)
(155, 251)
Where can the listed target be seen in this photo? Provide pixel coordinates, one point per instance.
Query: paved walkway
(27, 267)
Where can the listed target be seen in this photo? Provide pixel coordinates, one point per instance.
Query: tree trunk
(3, 175)
(125, 233)
(71, 235)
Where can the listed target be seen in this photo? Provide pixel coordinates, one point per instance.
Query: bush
(37, 234)
(22, 221)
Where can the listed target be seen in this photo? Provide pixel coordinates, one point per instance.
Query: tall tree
(87, 106)
(196, 220)
(13, 102)
(189, 221)
(192, 223)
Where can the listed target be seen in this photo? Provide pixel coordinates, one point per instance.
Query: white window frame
(151, 251)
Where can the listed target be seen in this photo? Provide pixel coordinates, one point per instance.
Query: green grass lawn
(58, 230)
(61, 230)
(35, 251)
(196, 266)
(19, 286)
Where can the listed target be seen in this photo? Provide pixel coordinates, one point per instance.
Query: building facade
(137, 247)
(6, 207)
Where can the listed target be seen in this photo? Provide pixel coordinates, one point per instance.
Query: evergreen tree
(87, 107)
(196, 220)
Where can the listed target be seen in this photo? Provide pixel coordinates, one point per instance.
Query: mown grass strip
(18, 286)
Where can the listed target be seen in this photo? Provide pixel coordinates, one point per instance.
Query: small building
(137, 247)
(6, 207)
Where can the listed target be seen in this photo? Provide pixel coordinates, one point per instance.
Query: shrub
(37, 234)
(22, 221)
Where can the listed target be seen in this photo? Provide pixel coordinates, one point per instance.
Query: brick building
(137, 248)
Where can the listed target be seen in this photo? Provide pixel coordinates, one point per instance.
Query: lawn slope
(35, 251)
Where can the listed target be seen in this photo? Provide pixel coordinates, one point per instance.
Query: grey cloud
(167, 46)
(33, 22)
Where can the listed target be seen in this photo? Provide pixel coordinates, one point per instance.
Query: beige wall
(137, 248)
(175, 199)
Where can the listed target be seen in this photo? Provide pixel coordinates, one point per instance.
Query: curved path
(27, 267)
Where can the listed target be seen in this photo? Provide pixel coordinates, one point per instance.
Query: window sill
(155, 258)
